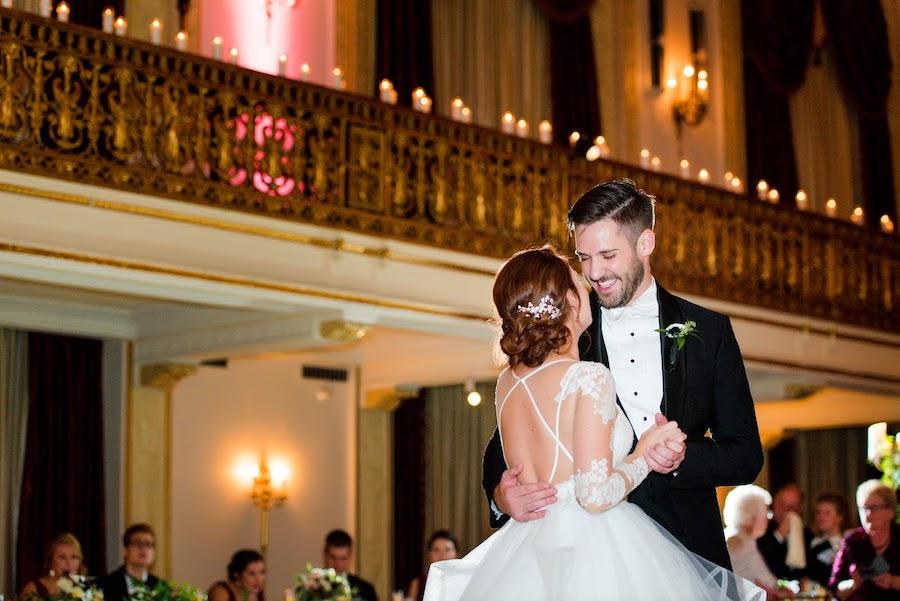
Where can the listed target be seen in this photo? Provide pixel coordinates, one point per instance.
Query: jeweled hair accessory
(543, 309)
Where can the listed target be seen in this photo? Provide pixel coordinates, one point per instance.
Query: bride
(559, 422)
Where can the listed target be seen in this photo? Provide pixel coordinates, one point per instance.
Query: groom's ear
(646, 242)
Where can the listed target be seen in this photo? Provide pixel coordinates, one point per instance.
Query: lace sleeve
(599, 485)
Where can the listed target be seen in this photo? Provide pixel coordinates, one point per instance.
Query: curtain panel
(573, 72)
(403, 47)
(62, 482)
(777, 40)
(409, 490)
(495, 56)
(13, 421)
(858, 32)
(457, 435)
(844, 470)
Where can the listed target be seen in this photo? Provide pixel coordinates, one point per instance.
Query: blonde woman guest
(867, 566)
(746, 515)
(64, 557)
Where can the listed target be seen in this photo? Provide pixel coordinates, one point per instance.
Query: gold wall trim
(336, 243)
(235, 280)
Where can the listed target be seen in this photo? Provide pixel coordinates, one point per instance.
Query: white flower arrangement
(74, 587)
(322, 584)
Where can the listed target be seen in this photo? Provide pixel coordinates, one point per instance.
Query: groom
(701, 385)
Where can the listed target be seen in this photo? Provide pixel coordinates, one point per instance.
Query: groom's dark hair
(620, 200)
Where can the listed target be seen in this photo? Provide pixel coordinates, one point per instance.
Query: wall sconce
(268, 490)
(690, 101)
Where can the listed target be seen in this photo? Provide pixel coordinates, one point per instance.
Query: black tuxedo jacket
(705, 390)
(362, 589)
(115, 588)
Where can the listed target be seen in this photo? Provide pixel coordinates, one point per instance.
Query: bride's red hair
(527, 277)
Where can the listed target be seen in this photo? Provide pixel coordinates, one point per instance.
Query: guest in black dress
(830, 522)
(246, 579)
(138, 553)
(64, 557)
(441, 545)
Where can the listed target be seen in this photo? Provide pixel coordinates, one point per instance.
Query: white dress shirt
(635, 357)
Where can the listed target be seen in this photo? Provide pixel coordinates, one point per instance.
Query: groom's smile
(612, 261)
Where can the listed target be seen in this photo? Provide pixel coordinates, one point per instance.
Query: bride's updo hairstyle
(529, 334)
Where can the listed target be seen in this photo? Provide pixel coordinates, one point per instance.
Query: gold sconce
(690, 101)
(690, 89)
(268, 490)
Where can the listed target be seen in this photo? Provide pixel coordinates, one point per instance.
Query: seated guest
(64, 557)
(139, 552)
(786, 539)
(441, 545)
(830, 521)
(746, 517)
(246, 579)
(338, 555)
(867, 565)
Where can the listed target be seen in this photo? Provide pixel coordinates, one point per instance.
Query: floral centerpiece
(322, 584)
(167, 591)
(74, 587)
(884, 453)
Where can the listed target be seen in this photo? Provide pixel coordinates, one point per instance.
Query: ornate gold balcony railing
(81, 105)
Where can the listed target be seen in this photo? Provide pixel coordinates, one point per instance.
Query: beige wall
(221, 416)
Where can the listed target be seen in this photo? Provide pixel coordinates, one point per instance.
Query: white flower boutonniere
(679, 332)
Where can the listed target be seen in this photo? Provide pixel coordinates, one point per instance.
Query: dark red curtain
(403, 47)
(409, 490)
(62, 481)
(858, 32)
(90, 12)
(573, 74)
(777, 39)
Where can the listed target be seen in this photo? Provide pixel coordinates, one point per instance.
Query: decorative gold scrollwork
(114, 112)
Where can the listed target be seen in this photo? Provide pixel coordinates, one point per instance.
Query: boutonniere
(679, 332)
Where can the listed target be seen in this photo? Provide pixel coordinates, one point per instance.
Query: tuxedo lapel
(673, 362)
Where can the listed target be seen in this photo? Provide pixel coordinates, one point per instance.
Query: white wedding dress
(591, 544)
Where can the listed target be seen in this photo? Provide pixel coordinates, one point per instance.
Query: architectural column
(355, 44)
(375, 499)
(148, 454)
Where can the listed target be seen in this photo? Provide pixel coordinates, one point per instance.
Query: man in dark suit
(701, 383)
(139, 552)
(338, 554)
(787, 506)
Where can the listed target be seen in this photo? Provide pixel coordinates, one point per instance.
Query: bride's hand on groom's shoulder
(522, 502)
(665, 448)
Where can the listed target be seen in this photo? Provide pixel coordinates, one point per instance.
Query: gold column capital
(343, 331)
(165, 375)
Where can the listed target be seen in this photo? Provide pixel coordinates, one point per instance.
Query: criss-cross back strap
(554, 433)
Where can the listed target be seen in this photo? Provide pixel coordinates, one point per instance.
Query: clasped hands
(662, 446)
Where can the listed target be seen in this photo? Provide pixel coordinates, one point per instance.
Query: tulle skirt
(573, 555)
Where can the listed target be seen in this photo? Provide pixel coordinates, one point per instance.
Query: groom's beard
(630, 282)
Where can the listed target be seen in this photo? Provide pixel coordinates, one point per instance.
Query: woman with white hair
(746, 516)
(867, 566)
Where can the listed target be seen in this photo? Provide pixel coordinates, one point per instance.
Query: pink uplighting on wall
(304, 33)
